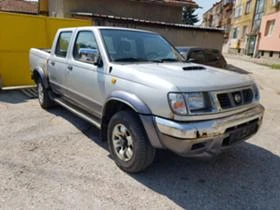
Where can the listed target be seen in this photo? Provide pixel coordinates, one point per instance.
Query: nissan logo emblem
(237, 98)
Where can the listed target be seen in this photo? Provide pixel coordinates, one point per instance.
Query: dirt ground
(54, 160)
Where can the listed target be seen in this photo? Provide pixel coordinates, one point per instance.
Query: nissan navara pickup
(138, 90)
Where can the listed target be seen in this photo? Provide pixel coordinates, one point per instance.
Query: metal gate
(18, 34)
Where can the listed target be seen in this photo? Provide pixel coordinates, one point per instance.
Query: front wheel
(128, 142)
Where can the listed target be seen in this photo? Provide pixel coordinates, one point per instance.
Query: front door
(251, 45)
(86, 80)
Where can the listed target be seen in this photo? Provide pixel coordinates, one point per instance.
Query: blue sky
(205, 4)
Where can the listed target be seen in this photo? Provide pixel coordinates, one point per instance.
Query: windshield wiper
(130, 59)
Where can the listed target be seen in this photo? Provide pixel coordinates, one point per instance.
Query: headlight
(256, 92)
(195, 101)
(177, 103)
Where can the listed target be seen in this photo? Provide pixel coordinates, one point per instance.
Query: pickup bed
(136, 88)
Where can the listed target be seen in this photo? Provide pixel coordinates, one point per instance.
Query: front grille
(248, 96)
(224, 100)
(234, 99)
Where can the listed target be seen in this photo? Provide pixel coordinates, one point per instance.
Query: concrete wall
(275, 55)
(178, 36)
(122, 8)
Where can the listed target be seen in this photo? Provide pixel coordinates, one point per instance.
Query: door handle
(70, 68)
(52, 63)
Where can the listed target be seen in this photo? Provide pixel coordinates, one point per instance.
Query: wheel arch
(118, 101)
(39, 73)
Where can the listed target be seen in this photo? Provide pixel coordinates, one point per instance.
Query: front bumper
(211, 136)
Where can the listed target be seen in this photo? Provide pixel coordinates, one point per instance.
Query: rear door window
(63, 44)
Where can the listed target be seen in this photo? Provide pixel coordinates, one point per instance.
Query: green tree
(189, 17)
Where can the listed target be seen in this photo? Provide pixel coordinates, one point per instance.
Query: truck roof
(104, 27)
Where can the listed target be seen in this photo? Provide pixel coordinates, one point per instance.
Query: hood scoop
(193, 68)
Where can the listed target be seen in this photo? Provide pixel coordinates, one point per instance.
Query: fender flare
(143, 111)
(130, 100)
(42, 75)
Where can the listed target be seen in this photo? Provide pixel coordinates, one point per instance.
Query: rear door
(86, 80)
(57, 64)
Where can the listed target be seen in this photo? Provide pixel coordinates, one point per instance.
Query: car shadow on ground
(13, 96)
(236, 69)
(85, 127)
(244, 177)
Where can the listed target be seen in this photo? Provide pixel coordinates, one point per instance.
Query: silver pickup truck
(135, 87)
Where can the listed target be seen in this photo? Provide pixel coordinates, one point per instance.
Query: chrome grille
(224, 100)
(233, 99)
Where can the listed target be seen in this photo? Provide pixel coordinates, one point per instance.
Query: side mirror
(90, 55)
(98, 60)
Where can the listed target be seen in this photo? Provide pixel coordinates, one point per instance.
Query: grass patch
(272, 66)
(275, 66)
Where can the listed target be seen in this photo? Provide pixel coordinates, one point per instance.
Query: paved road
(54, 160)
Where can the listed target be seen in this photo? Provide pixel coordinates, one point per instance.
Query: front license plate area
(243, 132)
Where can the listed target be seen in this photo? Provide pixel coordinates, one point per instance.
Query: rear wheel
(43, 95)
(128, 142)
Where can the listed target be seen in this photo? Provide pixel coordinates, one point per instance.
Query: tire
(43, 95)
(128, 142)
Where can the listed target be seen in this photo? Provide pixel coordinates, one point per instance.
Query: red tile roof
(19, 6)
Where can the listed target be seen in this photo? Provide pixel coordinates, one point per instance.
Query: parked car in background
(209, 57)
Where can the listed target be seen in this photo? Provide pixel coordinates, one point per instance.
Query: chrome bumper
(180, 137)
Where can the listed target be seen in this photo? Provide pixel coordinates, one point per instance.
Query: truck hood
(186, 77)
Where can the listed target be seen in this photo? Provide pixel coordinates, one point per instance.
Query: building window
(248, 7)
(275, 2)
(270, 54)
(238, 11)
(258, 15)
(235, 33)
(262, 53)
(269, 27)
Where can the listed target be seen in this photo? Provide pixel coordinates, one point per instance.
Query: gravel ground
(54, 160)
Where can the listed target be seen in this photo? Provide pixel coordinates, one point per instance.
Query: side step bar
(78, 112)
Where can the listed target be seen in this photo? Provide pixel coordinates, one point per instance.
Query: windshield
(135, 46)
